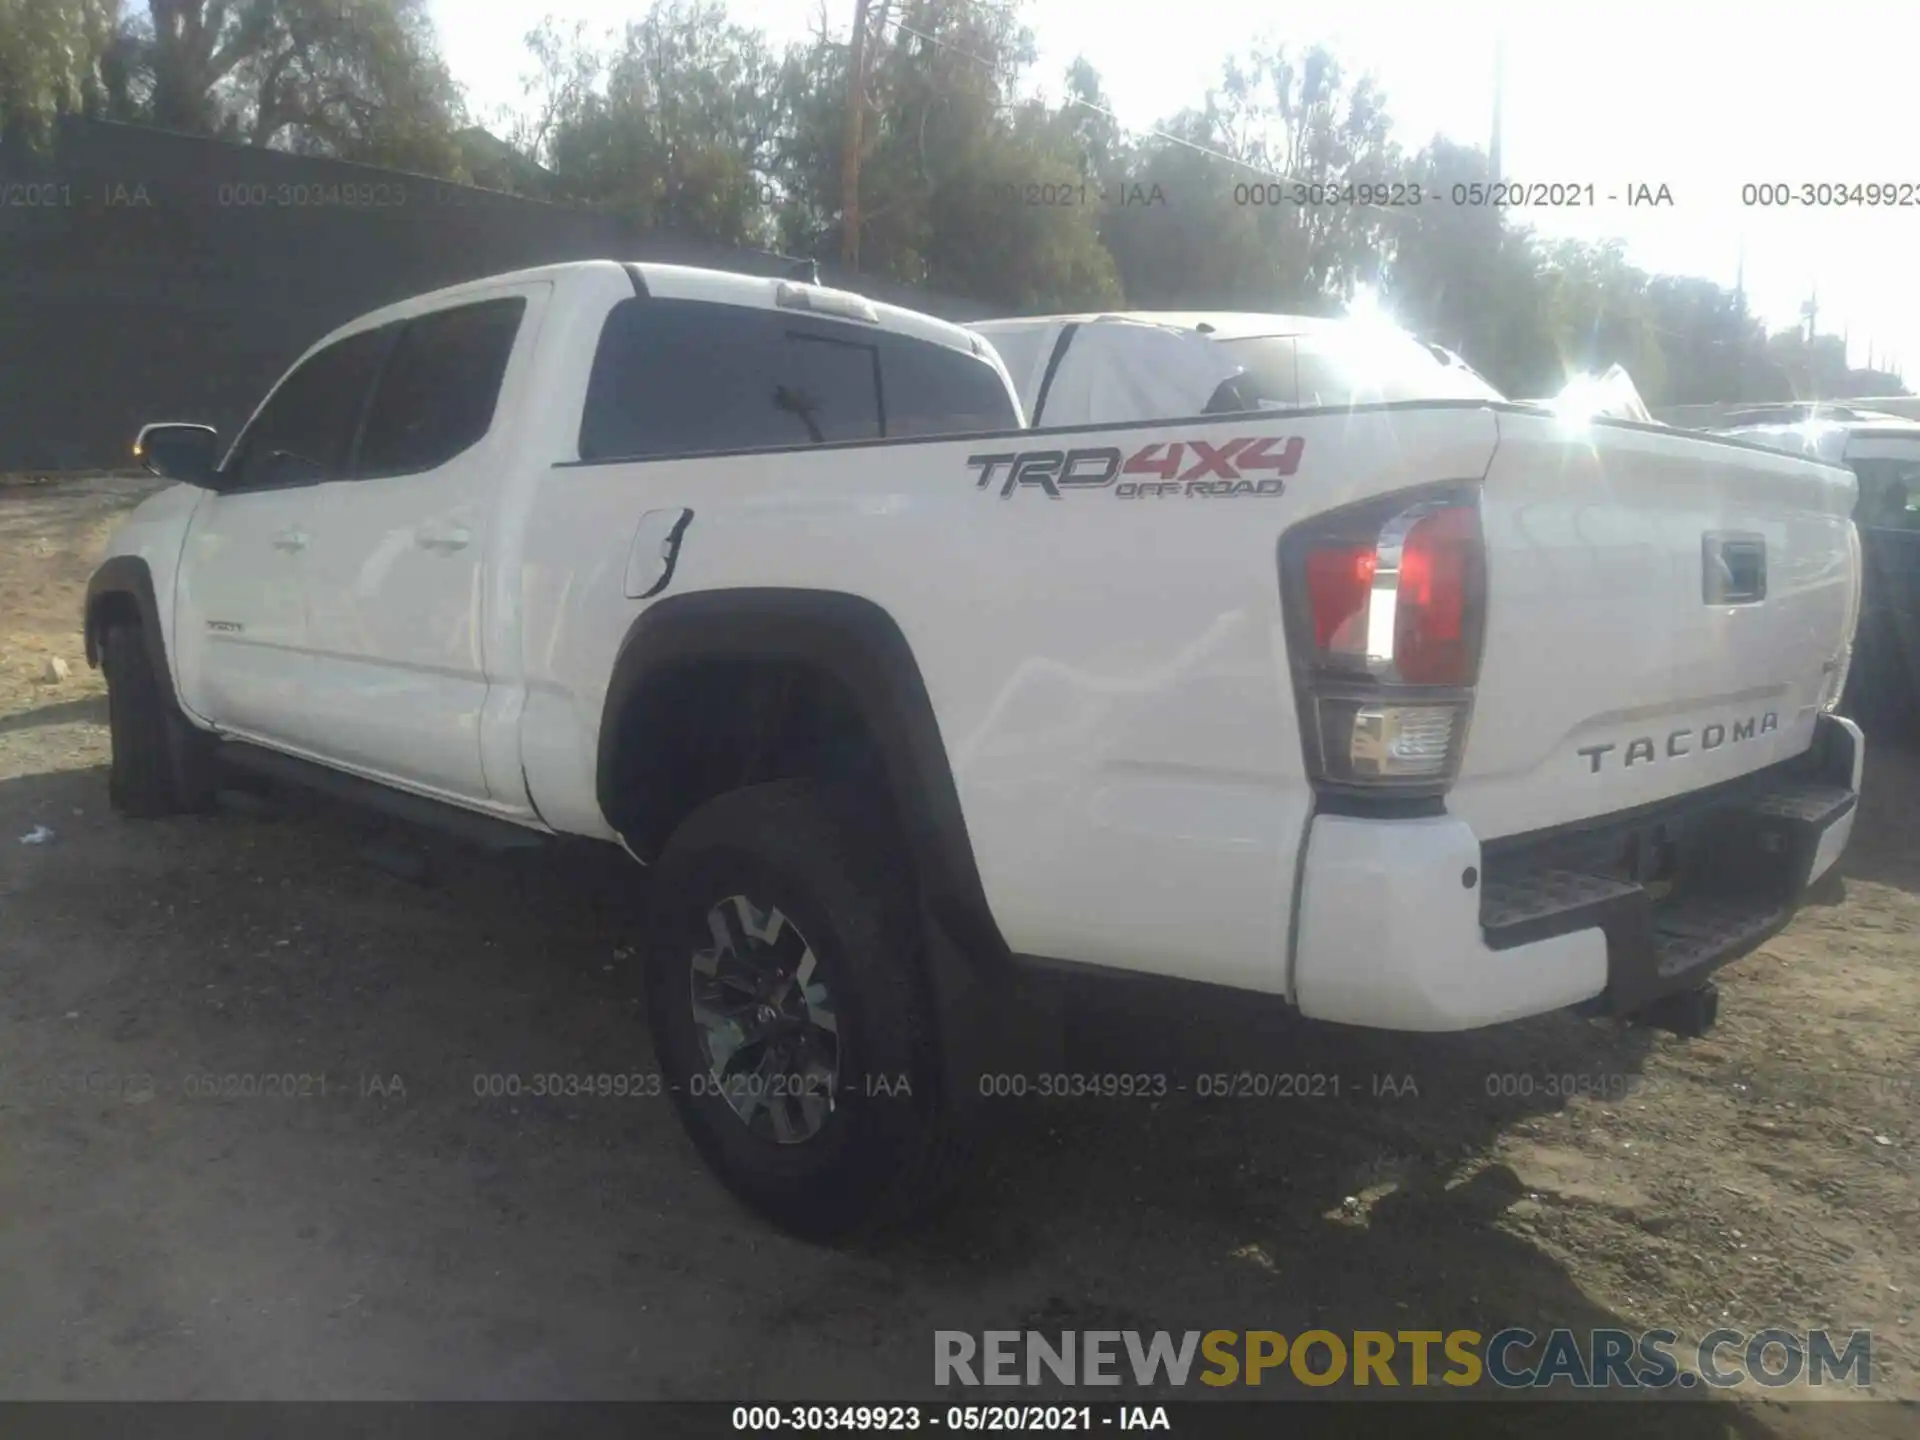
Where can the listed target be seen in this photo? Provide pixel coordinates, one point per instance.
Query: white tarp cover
(1611, 395)
(1116, 370)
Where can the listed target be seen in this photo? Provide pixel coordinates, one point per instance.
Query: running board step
(467, 826)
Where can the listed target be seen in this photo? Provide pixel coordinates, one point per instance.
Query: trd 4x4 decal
(1246, 465)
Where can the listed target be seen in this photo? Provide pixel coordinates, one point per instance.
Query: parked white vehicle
(1155, 365)
(1883, 451)
(1419, 715)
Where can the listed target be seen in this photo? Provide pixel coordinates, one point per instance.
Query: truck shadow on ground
(92, 709)
(239, 944)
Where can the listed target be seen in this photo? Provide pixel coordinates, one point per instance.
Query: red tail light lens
(1439, 565)
(1385, 605)
(1339, 583)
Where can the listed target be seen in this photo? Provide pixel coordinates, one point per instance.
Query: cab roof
(675, 282)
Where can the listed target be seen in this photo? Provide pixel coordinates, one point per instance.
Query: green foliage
(51, 54)
(354, 79)
(947, 158)
(688, 122)
(988, 241)
(681, 134)
(1229, 234)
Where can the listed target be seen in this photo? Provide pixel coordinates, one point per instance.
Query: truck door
(396, 573)
(241, 637)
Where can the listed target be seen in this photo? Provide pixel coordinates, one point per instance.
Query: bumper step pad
(1734, 867)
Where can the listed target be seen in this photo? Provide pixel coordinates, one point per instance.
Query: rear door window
(1269, 375)
(930, 389)
(438, 392)
(685, 377)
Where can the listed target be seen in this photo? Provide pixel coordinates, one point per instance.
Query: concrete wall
(137, 282)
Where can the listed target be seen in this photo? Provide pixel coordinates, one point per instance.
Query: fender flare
(858, 644)
(129, 576)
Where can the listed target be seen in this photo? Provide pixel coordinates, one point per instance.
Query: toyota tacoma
(1424, 714)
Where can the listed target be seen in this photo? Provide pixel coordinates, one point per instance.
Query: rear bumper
(1415, 925)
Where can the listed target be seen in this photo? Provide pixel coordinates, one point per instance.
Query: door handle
(446, 538)
(291, 540)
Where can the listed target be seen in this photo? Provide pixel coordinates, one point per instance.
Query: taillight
(1339, 580)
(1439, 564)
(1385, 607)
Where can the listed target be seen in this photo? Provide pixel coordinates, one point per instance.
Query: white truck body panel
(1109, 674)
(1594, 548)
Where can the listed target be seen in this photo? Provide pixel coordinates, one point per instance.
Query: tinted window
(1266, 376)
(1889, 494)
(931, 390)
(681, 377)
(1336, 369)
(437, 393)
(304, 432)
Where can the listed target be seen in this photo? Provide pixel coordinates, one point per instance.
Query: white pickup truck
(1422, 715)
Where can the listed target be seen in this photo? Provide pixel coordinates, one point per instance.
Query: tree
(1598, 314)
(681, 136)
(1198, 249)
(1462, 275)
(946, 157)
(1714, 349)
(51, 54)
(1089, 123)
(989, 243)
(1231, 232)
(568, 70)
(357, 79)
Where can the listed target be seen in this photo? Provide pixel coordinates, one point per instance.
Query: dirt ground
(403, 1236)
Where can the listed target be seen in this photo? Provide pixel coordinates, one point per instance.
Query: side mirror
(187, 453)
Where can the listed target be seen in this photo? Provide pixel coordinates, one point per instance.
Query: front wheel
(161, 764)
(791, 1014)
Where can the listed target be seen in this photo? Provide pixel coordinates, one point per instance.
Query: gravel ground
(403, 1236)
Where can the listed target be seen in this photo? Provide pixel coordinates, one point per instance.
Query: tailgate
(1665, 613)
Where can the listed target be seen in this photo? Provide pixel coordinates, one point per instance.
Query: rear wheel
(791, 1014)
(161, 764)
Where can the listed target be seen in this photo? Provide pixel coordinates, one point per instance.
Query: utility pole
(1499, 95)
(1487, 353)
(851, 141)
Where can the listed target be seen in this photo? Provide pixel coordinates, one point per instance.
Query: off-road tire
(161, 765)
(895, 1143)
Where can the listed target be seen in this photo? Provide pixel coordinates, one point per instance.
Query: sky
(1701, 98)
